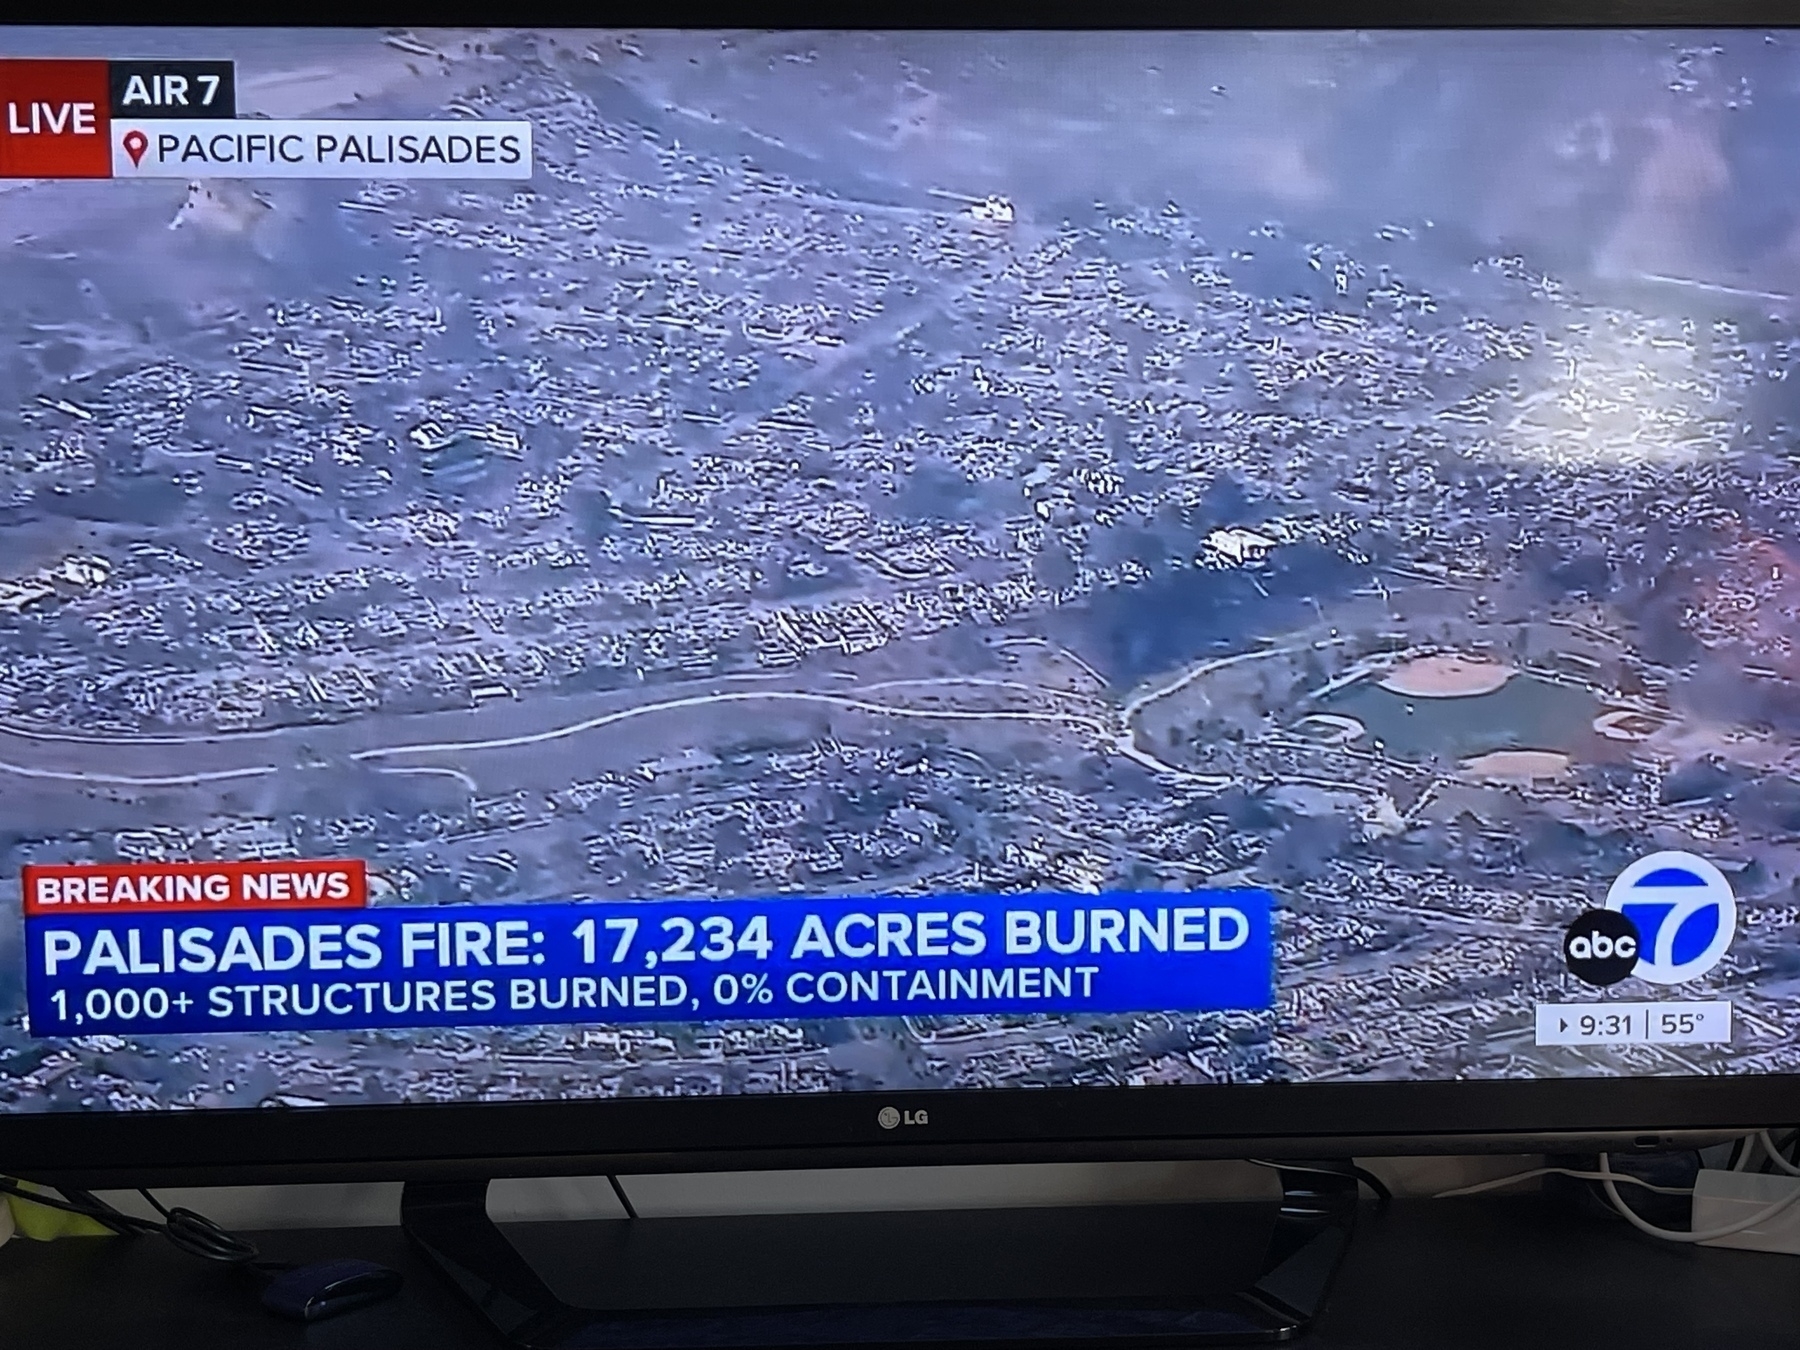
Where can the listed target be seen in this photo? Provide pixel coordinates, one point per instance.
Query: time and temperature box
(1634, 1023)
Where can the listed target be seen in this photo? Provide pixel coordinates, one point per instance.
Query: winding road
(53, 756)
(227, 757)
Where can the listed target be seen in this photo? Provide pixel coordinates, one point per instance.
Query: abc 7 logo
(1602, 947)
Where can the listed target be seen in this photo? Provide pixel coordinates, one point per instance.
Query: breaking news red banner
(287, 883)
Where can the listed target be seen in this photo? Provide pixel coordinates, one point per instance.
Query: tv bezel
(755, 1131)
(841, 1129)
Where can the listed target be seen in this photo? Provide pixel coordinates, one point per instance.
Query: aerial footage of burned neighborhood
(1360, 466)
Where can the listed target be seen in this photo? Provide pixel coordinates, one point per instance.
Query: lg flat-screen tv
(711, 597)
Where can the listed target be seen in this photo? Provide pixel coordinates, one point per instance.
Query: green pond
(1526, 713)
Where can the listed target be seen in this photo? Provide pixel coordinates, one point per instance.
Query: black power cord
(184, 1229)
(199, 1236)
(624, 1199)
(1784, 1149)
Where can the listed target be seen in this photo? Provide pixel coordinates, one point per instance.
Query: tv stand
(1145, 1275)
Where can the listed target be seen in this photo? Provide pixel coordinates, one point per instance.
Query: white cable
(1608, 1177)
(1776, 1156)
(1748, 1141)
(1511, 1177)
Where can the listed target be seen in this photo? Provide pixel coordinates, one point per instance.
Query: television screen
(545, 565)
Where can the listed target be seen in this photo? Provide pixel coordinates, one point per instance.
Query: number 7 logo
(1684, 910)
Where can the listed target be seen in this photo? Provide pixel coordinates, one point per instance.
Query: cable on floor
(184, 1229)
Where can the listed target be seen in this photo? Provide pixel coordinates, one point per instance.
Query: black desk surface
(1508, 1274)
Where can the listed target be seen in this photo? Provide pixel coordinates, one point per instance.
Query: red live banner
(74, 888)
(55, 119)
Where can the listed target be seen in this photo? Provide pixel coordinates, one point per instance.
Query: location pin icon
(135, 145)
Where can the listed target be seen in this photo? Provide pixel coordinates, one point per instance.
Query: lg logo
(891, 1118)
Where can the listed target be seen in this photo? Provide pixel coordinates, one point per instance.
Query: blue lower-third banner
(648, 961)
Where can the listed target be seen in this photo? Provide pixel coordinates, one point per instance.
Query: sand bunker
(1330, 728)
(1517, 766)
(1627, 724)
(1446, 677)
